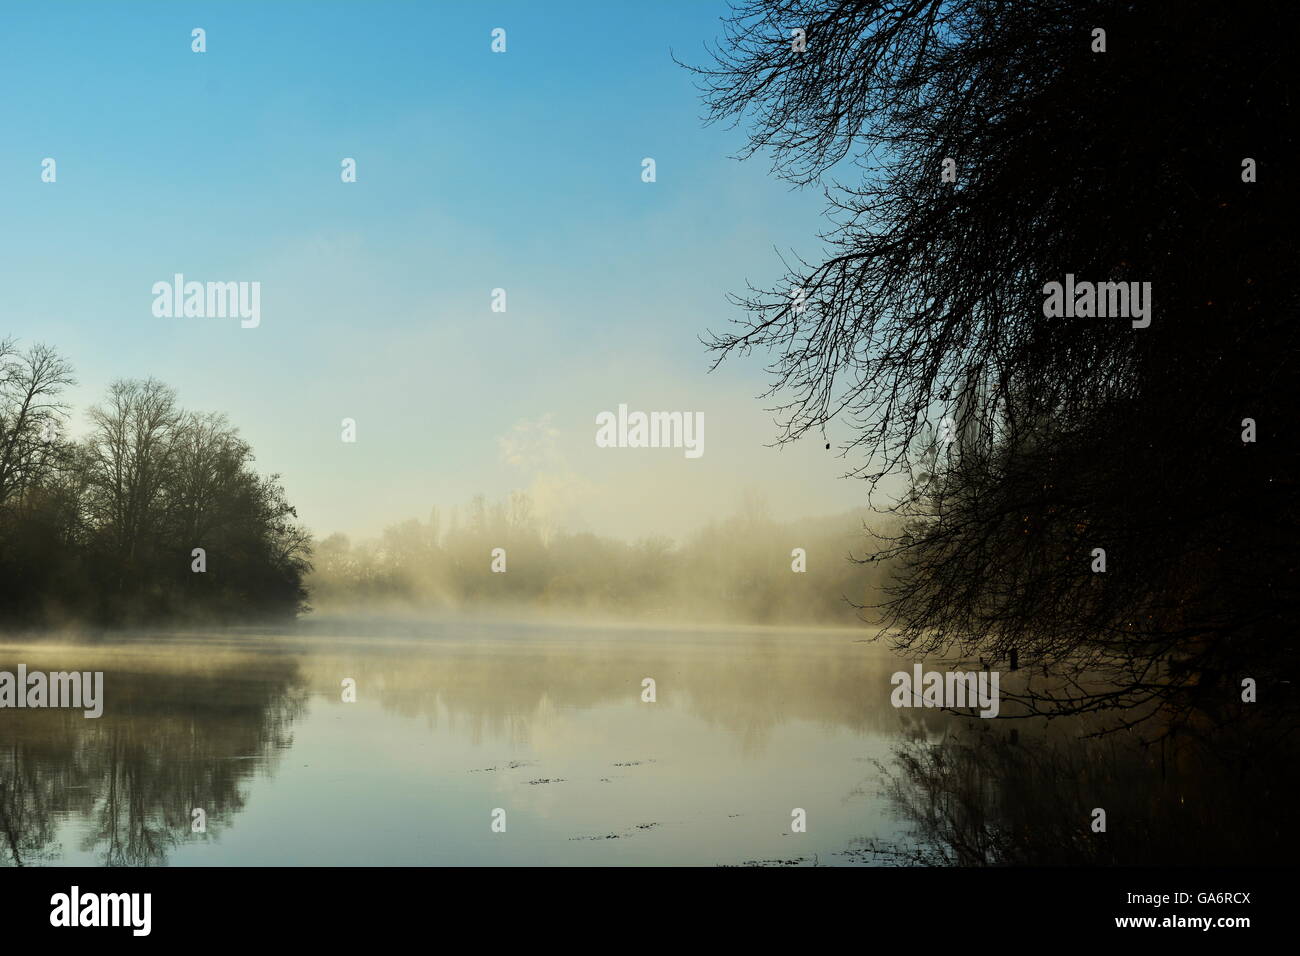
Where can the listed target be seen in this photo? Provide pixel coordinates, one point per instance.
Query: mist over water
(457, 717)
(453, 720)
(749, 567)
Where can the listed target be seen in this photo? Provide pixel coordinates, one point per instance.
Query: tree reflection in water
(169, 741)
(980, 794)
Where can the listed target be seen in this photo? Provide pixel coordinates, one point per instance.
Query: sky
(475, 171)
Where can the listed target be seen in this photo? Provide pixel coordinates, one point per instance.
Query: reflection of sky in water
(747, 726)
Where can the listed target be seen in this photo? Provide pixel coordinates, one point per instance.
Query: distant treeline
(103, 530)
(739, 569)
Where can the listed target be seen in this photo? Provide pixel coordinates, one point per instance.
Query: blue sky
(475, 171)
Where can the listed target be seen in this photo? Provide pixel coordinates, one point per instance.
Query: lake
(453, 722)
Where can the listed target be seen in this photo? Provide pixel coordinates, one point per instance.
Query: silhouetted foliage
(102, 530)
(1070, 433)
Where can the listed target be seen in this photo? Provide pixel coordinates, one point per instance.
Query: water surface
(452, 721)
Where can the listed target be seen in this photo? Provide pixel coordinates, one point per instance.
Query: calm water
(453, 720)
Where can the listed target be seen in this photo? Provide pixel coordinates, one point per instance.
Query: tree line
(742, 568)
(103, 530)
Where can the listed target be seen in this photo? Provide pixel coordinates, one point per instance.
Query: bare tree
(132, 450)
(972, 151)
(30, 414)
